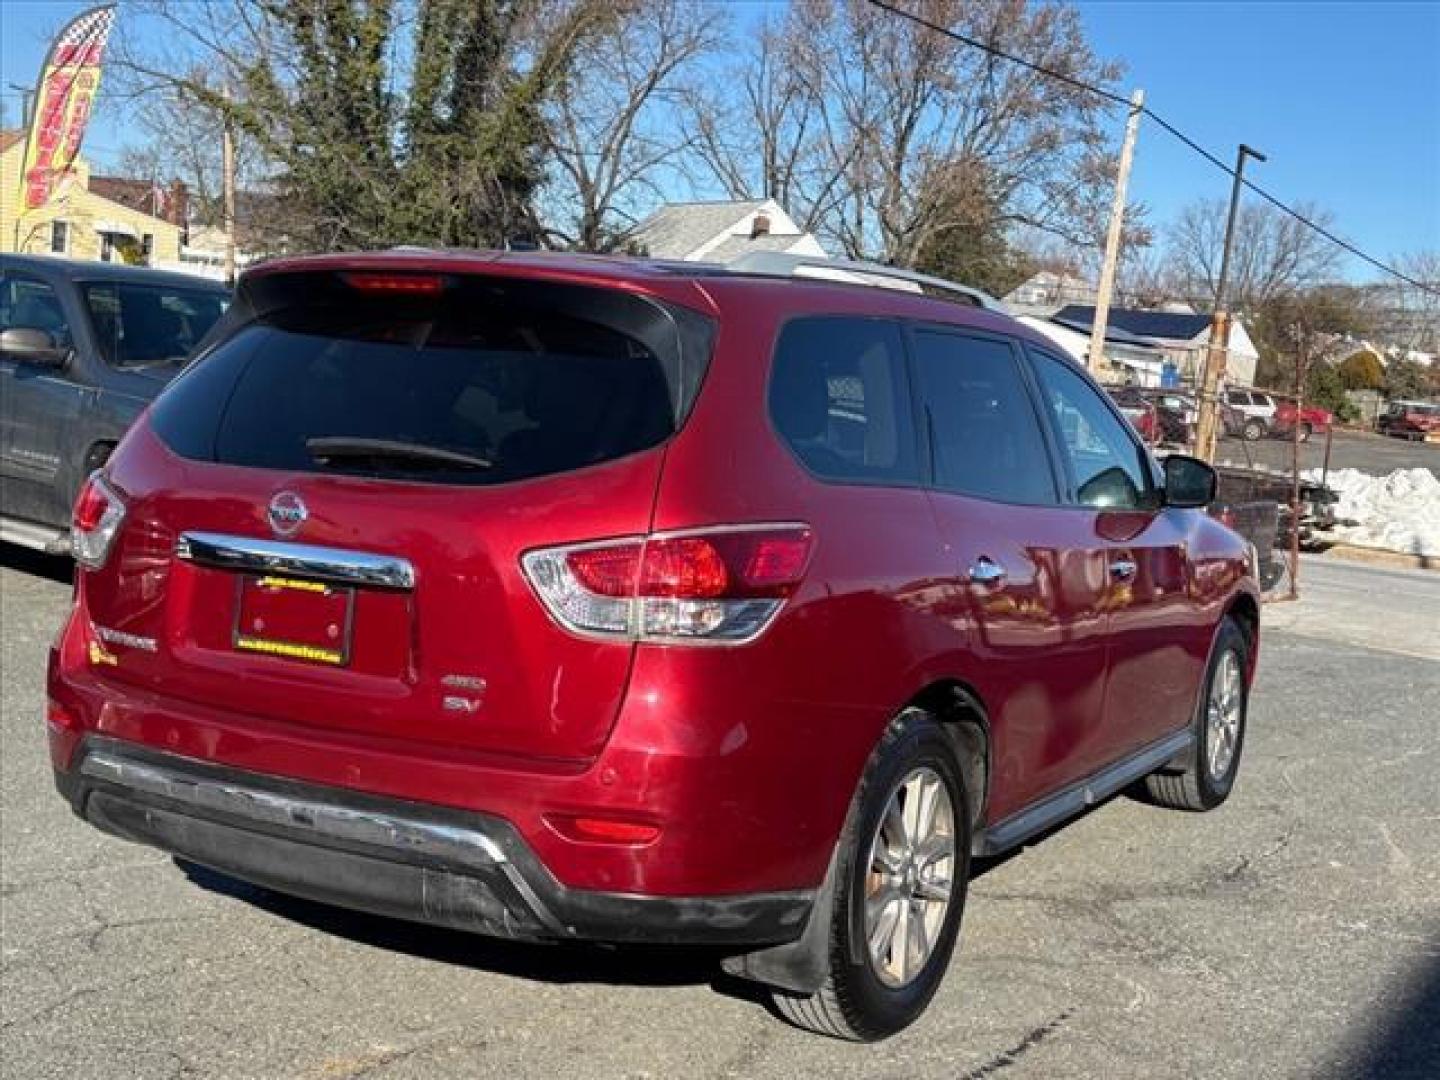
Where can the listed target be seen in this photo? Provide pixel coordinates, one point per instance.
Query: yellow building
(90, 217)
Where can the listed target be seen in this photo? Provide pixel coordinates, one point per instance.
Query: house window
(59, 237)
(147, 246)
(107, 247)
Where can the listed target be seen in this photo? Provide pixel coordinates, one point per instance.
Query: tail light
(721, 585)
(99, 510)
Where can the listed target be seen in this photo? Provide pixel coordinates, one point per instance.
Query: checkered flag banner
(83, 41)
(64, 95)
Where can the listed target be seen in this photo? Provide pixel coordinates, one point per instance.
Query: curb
(1381, 557)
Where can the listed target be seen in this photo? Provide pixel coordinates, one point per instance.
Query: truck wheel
(1305, 430)
(1213, 760)
(1253, 431)
(904, 865)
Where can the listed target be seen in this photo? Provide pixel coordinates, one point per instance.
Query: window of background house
(59, 237)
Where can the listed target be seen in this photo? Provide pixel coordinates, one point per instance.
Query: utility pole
(1302, 345)
(25, 93)
(227, 168)
(1112, 238)
(1219, 345)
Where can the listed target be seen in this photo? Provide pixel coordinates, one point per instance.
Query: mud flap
(800, 965)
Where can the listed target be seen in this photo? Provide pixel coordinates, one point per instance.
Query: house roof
(677, 229)
(138, 195)
(10, 138)
(1115, 335)
(1164, 325)
(734, 246)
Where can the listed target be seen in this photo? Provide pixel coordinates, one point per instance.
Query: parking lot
(1377, 455)
(1293, 933)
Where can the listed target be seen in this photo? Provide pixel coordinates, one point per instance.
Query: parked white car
(1258, 409)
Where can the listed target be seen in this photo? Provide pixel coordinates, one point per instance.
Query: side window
(979, 420)
(32, 304)
(1108, 466)
(838, 398)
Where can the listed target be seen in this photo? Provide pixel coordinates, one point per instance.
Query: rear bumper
(452, 868)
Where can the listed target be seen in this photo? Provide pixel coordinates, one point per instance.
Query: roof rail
(782, 264)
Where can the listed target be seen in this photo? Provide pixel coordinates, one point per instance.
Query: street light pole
(1216, 351)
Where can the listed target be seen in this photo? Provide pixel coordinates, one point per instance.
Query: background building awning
(117, 228)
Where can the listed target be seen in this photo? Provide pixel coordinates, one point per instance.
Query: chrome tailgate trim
(337, 565)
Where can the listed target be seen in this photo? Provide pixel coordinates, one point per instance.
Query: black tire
(1305, 432)
(853, 1003)
(1193, 787)
(1253, 431)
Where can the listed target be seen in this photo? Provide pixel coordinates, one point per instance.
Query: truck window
(32, 304)
(139, 326)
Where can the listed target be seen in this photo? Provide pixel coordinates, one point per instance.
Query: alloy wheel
(1222, 716)
(910, 884)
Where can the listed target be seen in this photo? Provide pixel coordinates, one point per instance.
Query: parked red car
(1409, 419)
(1311, 418)
(576, 598)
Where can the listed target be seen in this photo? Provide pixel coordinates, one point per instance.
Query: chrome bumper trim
(257, 556)
(448, 843)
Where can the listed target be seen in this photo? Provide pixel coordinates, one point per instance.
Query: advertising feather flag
(64, 94)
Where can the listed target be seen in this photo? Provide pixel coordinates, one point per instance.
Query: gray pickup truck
(84, 347)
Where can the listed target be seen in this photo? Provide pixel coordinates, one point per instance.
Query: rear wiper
(326, 449)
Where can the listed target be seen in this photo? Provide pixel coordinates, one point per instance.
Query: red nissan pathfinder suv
(561, 598)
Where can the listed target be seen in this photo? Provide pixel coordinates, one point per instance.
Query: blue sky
(1344, 97)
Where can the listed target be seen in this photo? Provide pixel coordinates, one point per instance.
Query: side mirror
(1189, 482)
(31, 346)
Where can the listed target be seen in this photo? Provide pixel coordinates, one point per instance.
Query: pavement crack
(1246, 862)
(1012, 1056)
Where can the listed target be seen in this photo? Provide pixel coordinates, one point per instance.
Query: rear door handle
(1122, 569)
(986, 571)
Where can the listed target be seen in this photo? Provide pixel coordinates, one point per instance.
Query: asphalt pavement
(1377, 455)
(1295, 932)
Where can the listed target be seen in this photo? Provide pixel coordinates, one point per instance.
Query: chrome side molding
(238, 802)
(337, 565)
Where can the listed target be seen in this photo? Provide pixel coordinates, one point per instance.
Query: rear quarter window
(838, 398)
(487, 381)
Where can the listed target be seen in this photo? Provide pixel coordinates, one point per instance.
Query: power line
(1117, 99)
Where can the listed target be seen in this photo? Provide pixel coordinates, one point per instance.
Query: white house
(721, 231)
(1138, 363)
(1045, 292)
(1181, 336)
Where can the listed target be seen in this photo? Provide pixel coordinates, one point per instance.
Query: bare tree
(1418, 314)
(610, 128)
(872, 115)
(1147, 279)
(177, 138)
(755, 129)
(1272, 255)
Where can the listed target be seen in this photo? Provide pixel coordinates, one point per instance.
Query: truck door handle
(986, 571)
(1122, 569)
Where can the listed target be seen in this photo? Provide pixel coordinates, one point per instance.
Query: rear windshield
(480, 382)
(139, 326)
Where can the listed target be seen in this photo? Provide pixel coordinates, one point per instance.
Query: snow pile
(1399, 512)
